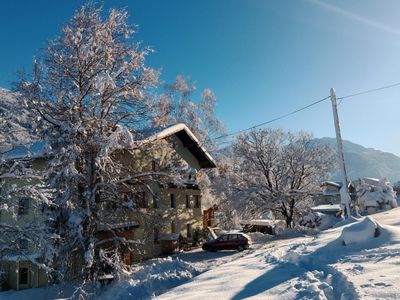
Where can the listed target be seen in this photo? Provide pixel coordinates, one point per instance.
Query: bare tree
(273, 170)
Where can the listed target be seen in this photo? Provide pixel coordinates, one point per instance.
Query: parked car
(228, 241)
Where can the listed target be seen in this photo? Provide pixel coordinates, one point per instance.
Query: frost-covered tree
(273, 170)
(91, 90)
(176, 105)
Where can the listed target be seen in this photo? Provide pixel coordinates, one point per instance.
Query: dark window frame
(156, 235)
(141, 200)
(23, 206)
(197, 201)
(173, 227)
(23, 244)
(23, 275)
(189, 230)
(187, 199)
(173, 200)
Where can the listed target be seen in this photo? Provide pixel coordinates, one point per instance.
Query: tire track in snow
(316, 277)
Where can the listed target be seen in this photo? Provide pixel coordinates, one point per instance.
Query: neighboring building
(265, 226)
(373, 195)
(328, 200)
(164, 212)
(210, 218)
(16, 270)
(330, 193)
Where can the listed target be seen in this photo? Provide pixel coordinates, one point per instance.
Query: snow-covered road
(308, 268)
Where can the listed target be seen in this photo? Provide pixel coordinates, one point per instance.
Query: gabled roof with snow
(189, 141)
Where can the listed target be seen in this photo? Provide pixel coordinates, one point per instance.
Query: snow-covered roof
(189, 140)
(331, 193)
(102, 227)
(371, 180)
(332, 183)
(259, 222)
(181, 131)
(327, 207)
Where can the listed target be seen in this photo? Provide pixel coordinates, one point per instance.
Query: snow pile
(151, 279)
(375, 195)
(260, 238)
(360, 232)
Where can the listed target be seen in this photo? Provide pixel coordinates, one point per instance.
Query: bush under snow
(151, 279)
(360, 232)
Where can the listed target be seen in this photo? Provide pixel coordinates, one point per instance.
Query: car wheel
(240, 248)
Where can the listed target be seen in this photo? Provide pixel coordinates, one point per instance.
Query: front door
(24, 275)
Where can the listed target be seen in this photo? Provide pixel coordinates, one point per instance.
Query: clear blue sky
(261, 58)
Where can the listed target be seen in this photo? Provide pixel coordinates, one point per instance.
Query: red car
(228, 241)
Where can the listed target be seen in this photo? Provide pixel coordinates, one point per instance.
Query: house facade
(164, 211)
(330, 193)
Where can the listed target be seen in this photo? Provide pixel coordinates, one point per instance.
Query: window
(189, 232)
(127, 258)
(233, 237)
(23, 244)
(197, 202)
(23, 206)
(223, 238)
(23, 275)
(173, 227)
(112, 204)
(173, 201)
(156, 235)
(141, 200)
(187, 201)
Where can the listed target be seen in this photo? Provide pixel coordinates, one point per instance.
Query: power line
(370, 91)
(303, 108)
(273, 120)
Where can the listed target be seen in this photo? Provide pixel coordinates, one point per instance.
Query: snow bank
(260, 238)
(151, 279)
(360, 232)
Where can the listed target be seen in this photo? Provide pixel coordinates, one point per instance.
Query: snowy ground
(306, 267)
(151, 278)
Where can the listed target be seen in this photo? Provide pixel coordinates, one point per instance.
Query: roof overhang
(189, 141)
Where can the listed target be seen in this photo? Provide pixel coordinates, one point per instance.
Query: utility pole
(344, 194)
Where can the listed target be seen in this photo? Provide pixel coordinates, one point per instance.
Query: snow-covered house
(18, 246)
(330, 193)
(374, 195)
(161, 210)
(166, 210)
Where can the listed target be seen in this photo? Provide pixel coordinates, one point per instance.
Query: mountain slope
(366, 162)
